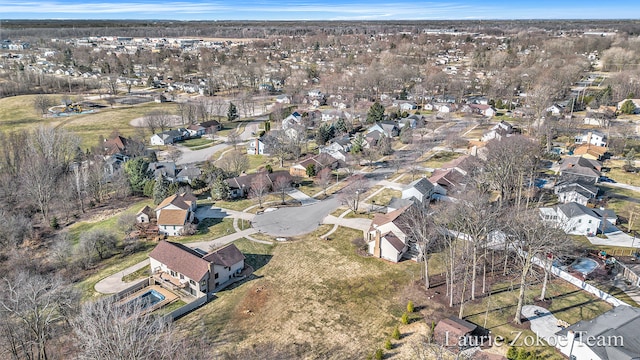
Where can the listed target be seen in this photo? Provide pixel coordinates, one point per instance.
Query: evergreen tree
(160, 190)
(232, 113)
(341, 126)
(358, 144)
(220, 189)
(628, 107)
(325, 133)
(385, 146)
(137, 174)
(311, 170)
(376, 113)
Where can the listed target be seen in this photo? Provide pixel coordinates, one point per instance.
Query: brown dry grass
(313, 292)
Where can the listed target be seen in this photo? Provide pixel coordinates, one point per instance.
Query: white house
(405, 105)
(498, 131)
(592, 137)
(576, 219)
(575, 191)
(555, 109)
(256, 147)
(145, 215)
(174, 212)
(387, 237)
(421, 190)
(169, 137)
(610, 336)
(291, 120)
(198, 273)
(283, 99)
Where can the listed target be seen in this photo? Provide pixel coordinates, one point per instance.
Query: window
(215, 276)
(173, 273)
(589, 221)
(181, 277)
(579, 221)
(192, 282)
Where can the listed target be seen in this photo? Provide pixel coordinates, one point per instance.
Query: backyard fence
(186, 308)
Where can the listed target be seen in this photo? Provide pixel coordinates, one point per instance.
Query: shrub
(54, 223)
(512, 353)
(387, 345)
(378, 354)
(410, 306)
(405, 319)
(396, 333)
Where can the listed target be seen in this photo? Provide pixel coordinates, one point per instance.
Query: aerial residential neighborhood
(429, 189)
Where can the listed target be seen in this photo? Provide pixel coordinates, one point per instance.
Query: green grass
(18, 113)
(109, 224)
(197, 143)
(109, 267)
(138, 274)
(90, 127)
(618, 174)
(209, 229)
(169, 308)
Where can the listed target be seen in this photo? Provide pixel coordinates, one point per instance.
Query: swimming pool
(584, 265)
(145, 300)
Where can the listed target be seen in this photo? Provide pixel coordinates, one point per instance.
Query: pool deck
(169, 296)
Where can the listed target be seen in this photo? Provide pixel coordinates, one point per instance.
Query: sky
(319, 9)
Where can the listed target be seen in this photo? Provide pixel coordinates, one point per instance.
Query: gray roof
(573, 209)
(397, 203)
(422, 185)
(621, 321)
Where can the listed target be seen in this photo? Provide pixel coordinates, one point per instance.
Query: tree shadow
(257, 261)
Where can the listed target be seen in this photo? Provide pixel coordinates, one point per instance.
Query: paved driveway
(302, 197)
(617, 238)
(543, 323)
(293, 221)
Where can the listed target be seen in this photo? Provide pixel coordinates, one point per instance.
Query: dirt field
(313, 295)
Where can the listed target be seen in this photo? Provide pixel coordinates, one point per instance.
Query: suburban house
(405, 105)
(169, 137)
(555, 109)
(387, 128)
(283, 99)
(422, 190)
(388, 237)
(498, 131)
(580, 168)
(452, 175)
(165, 169)
(397, 203)
(591, 152)
(145, 215)
(291, 120)
(188, 173)
(196, 130)
(618, 326)
(592, 137)
(484, 110)
(122, 145)
(319, 161)
(256, 147)
(211, 126)
(575, 191)
(241, 185)
(576, 219)
(174, 212)
(198, 273)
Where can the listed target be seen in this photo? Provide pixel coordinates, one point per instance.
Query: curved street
(294, 221)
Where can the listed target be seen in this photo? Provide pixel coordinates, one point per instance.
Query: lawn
(208, 229)
(440, 158)
(568, 303)
(618, 174)
(241, 204)
(199, 143)
(317, 293)
(18, 113)
(90, 127)
(138, 274)
(384, 197)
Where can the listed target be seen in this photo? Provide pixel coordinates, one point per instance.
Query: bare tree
(157, 120)
(42, 103)
(281, 185)
(234, 163)
(107, 329)
(535, 240)
(421, 230)
(350, 195)
(259, 187)
(233, 138)
(32, 305)
(324, 179)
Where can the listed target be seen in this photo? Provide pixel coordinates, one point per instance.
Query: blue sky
(318, 9)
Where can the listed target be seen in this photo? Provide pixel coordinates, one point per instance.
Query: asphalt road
(294, 221)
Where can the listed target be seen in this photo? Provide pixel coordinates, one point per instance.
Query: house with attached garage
(174, 212)
(576, 167)
(592, 137)
(498, 131)
(388, 237)
(575, 191)
(422, 190)
(197, 272)
(576, 219)
(169, 137)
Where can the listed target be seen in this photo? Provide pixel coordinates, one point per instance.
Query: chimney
(377, 251)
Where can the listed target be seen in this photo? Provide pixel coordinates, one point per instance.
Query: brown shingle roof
(181, 201)
(226, 256)
(180, 258)
(172, 217)
(392, 239)
(147, 211)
